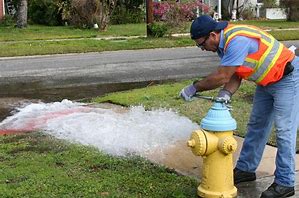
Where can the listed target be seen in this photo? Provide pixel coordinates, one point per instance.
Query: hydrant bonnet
(218, 119)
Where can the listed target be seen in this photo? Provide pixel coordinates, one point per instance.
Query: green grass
(36, 39)
(285, 35)
(271, 24)
(86, 45)
(40, 32)
(125, 30)
(36, 165)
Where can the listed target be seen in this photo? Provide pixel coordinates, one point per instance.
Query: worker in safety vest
(250, 53)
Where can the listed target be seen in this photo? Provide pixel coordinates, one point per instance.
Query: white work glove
(188, 92)
(293, 48)
(224, 95)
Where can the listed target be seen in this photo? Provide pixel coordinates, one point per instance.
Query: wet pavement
(254, 189)
(264, 174)
(186, 163)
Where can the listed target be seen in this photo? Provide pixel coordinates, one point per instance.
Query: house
(254, 5)
(7, 8)
(2, 9)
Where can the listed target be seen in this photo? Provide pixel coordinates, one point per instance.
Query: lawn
(41, 40)
(40, 32)
(37, 165)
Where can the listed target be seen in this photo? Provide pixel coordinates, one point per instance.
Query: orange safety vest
(265, 66)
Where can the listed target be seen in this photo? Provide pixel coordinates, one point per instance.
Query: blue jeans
(277, 103)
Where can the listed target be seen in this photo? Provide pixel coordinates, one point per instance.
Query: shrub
(269, 4)
(247, 14)
(186, 11)
(86, 13)
(130, 11)
(157, 29)
(64, 7)
(82, 13)
(7, 21)
(175, 15)
(44, 12)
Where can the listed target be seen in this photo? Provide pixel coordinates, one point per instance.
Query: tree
(22, 14)
(128, 11)
(86, 13)
(292, 7)
(104, 12)
(230, 5)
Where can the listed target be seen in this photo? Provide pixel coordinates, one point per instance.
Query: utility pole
(149, 16)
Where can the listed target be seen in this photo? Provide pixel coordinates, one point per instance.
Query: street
(98, 73)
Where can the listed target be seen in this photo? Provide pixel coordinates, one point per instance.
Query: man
(247, 52)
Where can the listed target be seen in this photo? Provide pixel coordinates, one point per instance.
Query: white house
(254, 5)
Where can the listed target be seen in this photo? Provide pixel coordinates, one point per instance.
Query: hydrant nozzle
(228, 145)
(191, 143)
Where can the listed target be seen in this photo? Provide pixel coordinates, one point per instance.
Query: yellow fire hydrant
(215, 143)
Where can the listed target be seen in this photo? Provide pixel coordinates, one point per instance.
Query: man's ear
(215, 35)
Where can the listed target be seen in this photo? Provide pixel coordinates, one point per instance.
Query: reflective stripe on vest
(262, 66)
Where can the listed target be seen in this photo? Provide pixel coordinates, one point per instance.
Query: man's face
(208, 43)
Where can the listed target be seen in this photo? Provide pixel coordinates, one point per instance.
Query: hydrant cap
(218, 119)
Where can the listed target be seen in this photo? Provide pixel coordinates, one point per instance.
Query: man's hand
(188, 92)
(224, 96)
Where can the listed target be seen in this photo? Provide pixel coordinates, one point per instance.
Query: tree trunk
(293, 11)
(104, 13)
(238, 11)
(22, 14)
(292, 8)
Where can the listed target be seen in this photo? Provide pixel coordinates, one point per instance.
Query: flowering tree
(184, 11)
(174, 15)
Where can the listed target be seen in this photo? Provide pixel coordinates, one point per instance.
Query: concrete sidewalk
(180, 158)
(255, 189)
(264, 173)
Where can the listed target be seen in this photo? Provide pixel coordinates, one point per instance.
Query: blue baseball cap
(205, 24)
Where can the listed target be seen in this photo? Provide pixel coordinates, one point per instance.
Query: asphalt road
(108, 67)
(89, 72)
(40, 74)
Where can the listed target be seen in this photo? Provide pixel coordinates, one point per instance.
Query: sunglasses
(200, 45)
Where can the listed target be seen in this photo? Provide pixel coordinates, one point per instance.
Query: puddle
(14, 94)
(37, 90)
